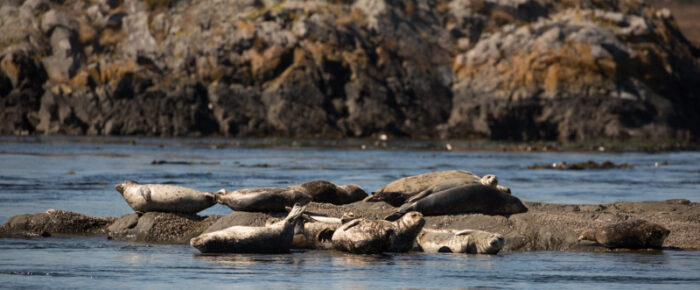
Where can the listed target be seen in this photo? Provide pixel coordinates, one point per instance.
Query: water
(77, 175)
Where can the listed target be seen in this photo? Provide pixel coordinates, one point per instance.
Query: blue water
(79, 174)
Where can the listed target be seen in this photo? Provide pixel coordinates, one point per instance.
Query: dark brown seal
(635, 234)
(471, 198)
(328, 192)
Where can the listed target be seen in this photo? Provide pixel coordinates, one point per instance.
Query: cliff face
(511, 70)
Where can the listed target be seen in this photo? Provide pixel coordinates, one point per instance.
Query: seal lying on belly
(275, 238)
(164, 197)
(471, 198)
(363, 236)
(328, 192)
(420, 186)
(466, 241)
(635, 234)
(266, 199)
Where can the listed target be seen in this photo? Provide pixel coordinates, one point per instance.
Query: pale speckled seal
(471, 198)
(465, 241)
(419, 186)
(328, 192)
(317, 231)
(363, 236)
(164, 197)
(275, 238)
(635, 234)
(265, 199)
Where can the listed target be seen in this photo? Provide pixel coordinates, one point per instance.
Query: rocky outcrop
(159, 227)
(545, 227)
(55, 221)
(508, 70)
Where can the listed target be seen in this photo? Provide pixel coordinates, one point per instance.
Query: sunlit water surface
(72, 174)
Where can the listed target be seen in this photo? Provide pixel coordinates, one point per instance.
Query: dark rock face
(158, 227)
(57, 222)
(508, 70)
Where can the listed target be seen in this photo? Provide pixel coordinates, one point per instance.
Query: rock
(506, 70)
(242, 218)
(58, 222)
(158, 227)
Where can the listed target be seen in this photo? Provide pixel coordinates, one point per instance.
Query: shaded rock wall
(508, 70)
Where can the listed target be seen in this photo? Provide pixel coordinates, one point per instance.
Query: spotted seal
(635, 234)
(265, 199)
(465, 241)
(470, 198)
(274, 238)
(364, 236)
(420, 186)
(164, 197)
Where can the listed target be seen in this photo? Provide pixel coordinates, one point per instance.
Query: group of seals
(413, 188)
(275, 238)
(635, 234)
(173, 198)
(275, 199)
(437, 193)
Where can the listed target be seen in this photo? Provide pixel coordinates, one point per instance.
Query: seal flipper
(464, 232)
(145, 192)
(420, 195)
(399, 213)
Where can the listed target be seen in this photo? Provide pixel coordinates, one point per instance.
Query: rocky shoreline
(490, 69)
(545, 227)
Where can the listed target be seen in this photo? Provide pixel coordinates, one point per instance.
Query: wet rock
(158, 227)
(241, 218)
(56, 221)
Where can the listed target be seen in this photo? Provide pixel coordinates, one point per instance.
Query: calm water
(72, 174)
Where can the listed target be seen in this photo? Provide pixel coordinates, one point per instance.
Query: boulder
(56, 221)
(159, 227)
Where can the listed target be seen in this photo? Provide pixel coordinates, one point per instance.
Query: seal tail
(370, 198)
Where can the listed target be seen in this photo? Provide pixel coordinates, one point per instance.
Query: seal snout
(219, 195)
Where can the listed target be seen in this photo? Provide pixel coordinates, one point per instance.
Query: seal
(265, 199)
(164, 197)
(328, 192)
(363, 236)
(316, 231)
(635, 234)
(465, 241)
(470, 198)
(420, 186)
(275, 238)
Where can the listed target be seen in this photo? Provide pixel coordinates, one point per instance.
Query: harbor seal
(265, 199)
(363, 236)
(316, 231)
(328, 192)
(164, 197)
(635, 234)
(465, 241)
(420, 186)
(470, 198)
(275, 238)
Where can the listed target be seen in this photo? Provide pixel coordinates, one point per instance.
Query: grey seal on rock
(317, 231)
(274, 238)
(471, 198)
(265, 199)
(420, 186)
(465, 241)
(164, 197)
(635, 234)
(328, 192)
(363, 236)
